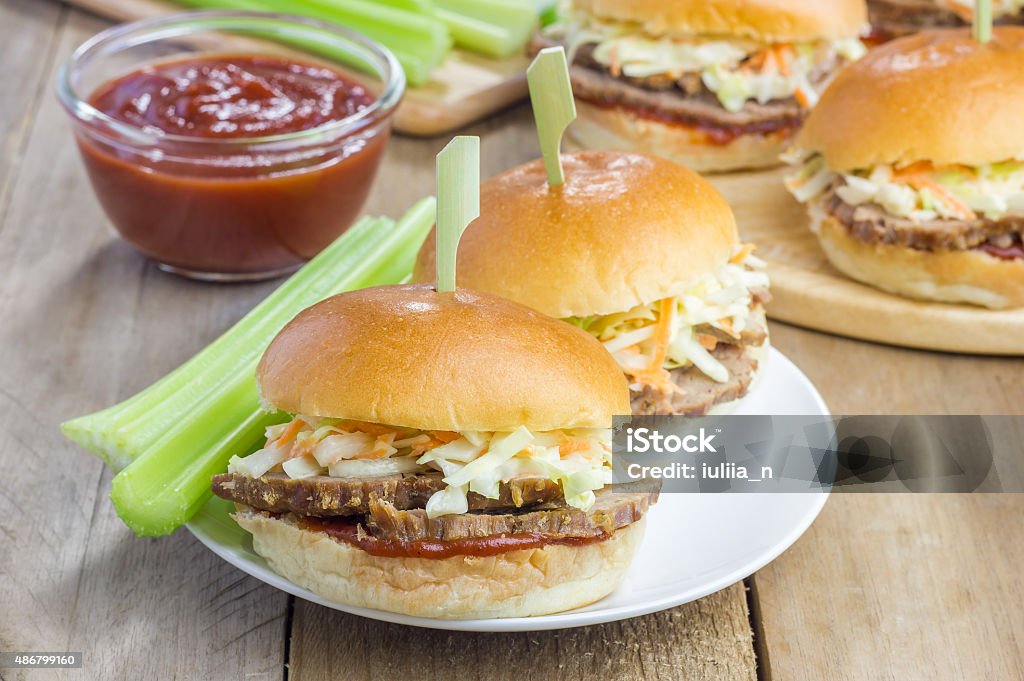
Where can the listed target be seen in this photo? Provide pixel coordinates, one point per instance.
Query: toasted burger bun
(767, 20)
(520, 583)
(618, 128)
(624, 230)
(969, 276)
(409, 356)
(937, 96)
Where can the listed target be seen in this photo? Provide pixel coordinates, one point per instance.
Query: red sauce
(221, 205)
(1011, 252)
(349, 532)
(240, 96)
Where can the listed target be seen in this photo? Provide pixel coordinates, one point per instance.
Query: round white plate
(696, 544)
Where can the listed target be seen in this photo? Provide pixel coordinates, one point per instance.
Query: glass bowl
(228, 208)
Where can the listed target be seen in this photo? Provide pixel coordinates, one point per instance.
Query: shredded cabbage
(470, 461)
(722, 300)
(919, 192)
(735, 70)
(302, 467)
(258, 463)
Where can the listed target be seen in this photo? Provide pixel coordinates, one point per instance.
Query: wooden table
(881, 587)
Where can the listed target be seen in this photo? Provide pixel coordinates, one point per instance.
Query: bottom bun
(519, 583)
(969, 276)
(618, 129)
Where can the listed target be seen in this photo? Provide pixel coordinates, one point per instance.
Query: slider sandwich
(447, 455)
(713, 84)
(639, 252)
(895, 18)
(912, 168)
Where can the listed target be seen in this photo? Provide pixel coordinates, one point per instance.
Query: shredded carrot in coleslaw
(444, 436)
(741, 255)
(920, 181)
(782, 53)
(364, 427)
(293, 429)
(572, 445)
(663, 333)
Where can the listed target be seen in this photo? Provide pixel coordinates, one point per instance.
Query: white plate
(696, 544)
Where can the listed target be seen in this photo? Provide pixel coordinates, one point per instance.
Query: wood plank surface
(28, 30)
(707, 639)
(900, 586)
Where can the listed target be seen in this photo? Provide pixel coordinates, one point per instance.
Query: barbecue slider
(896, 18)
(639, 252)
(713, 84)
(912, 168)
(448, 457)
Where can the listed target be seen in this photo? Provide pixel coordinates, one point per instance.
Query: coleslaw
(919, 191)
(650, 340)
(579, 460)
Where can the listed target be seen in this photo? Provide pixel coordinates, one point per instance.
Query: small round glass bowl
(230, 208)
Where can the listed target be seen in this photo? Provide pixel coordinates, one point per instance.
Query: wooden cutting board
(809, 292)
(465, 88)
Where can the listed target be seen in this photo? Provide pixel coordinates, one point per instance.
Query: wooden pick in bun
(912, 166)
(447, 458)
(715, 85)
(624, 239)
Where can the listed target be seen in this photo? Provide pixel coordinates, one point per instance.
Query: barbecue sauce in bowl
(245, 166)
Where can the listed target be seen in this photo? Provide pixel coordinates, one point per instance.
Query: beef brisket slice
(612, 510)
(871, 223)
(324, 496)
(697, 393)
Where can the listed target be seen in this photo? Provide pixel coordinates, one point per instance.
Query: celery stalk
(480, 36)
(170, 480)
(547, 11)
(497, 28)
(419, 42)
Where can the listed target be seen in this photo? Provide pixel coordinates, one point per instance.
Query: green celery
(170, 480)
(497, 28)
(547, 11)
(418, 42)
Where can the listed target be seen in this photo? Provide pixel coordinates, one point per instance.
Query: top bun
(409, 356)
(765, 20)
(937, 96)
(624, 230)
